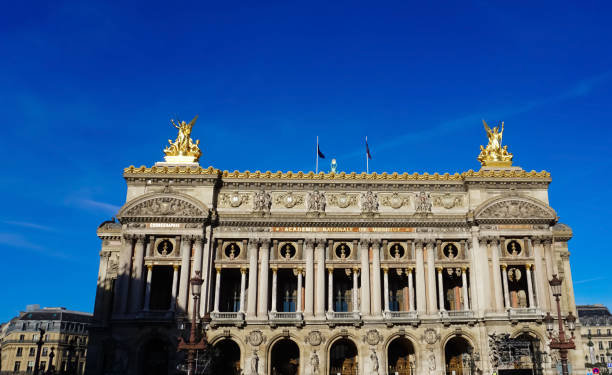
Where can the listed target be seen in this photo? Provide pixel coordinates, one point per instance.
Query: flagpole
(317, 157)
(367, 159)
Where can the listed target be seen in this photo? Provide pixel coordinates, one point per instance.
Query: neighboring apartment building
(65, 335)
(596, 332)
(328, 273)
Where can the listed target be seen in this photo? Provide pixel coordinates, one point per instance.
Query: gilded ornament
(343, 200)
(183, 149)
(289, 200)
(448, 201)
(394, 200)
(494, 155)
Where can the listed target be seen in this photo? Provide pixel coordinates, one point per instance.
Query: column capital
(409, 270)
(430, 244)
(128, 236)
(355, 269)
(364, 242)
(105, 254)
(274, 269)
(199, 240)
(299, 270)
(385, 269)
(265, 242)
(149, 267)
(463, 269)
(218, 268)
(175, 267)
(375, 241)
(243, 270)
(503, 266)
(310, 243)
(439, 269)
(140, 238)
(330, 269)
(528, 266)
(418, 244)
(536, 241)
(320, 242)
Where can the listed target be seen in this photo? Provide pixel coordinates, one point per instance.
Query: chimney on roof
(30, 308)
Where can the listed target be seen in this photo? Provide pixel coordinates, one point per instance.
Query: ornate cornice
(210, 171)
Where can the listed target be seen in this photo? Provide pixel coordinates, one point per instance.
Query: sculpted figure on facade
(494, 154)
(183, 146)
(316, 201)
(254, 364)
(423, 202)
(262, 202)
(369, 202)
(431, 358)
(314, 363)
(374, 362)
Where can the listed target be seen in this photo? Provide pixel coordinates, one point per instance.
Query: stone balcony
(525, 313)
(286, 318)
(343, 318)
(400, 317)
(226, 318)
(457, 316)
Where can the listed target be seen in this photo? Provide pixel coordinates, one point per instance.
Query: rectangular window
(601, 345)
(43, 366)
(17, 367)
(21, 337)
(598, 331)
(30, 366)
(45, 351)
(32, 352)
(19, 352)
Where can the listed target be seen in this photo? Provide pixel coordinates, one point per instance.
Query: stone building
(596, 332)
(333, 273)
(64, 346)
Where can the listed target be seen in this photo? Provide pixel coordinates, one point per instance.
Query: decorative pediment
(514, 209)
(164, 207)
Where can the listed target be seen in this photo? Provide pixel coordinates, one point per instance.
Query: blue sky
(87, 88)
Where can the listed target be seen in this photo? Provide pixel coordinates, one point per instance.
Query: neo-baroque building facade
(333, 273)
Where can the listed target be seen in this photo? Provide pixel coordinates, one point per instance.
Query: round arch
(154, 356)
(165, 206)
(284, 357)
(401, 356)
(410, 337)
(513, 208)
(458, 356)
(241, 346)
(227, 357)
(342, 355)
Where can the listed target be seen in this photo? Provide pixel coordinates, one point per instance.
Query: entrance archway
(343, 358)
(227, 357)
(155, 358)
(520, 355)
(458, 357)
(285, 358)
(401, 357)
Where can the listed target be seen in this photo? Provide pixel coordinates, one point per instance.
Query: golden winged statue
(494, 155)
(183, 149)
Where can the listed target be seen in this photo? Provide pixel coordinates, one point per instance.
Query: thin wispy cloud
(582, 88)
(97, 205)
(590, 280)
(18, 241)
(26, 224)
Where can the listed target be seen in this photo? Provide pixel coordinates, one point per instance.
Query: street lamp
(560, 342)
(191, 346)
(39, 344)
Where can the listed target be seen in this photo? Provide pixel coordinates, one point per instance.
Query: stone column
(376, 287)
(330, 290)
(309, 290)
(529, 285)
(386, 286)
(100, 305)
(542, 287)
(355, 297)
(420, 278)
(494, 247)
(197, 263)
(123, 276)
(274, 288)
(252, 293)
(184, 278)
(365, 276)
(506, 291)
(440, 289)
(410, 289)
(217, 288)
(464, 288)
(147, 301)
(205, 299)
(299, 290)
(551, 263)
(320, 300)
(431, 279)
(243, 272)
(137, 279)
(175, 268)
(479, 302)
(262, 305)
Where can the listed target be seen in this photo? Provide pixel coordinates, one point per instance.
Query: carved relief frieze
(343, 200)
(514, 209)
(395, 200)
(316, 201)
(369, 202)
(234, 199)
(448, 201)
(289, 200)
(165, 206)
(262, 201)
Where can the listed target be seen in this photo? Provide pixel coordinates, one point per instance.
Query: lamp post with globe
(192, 346)
(560, 341)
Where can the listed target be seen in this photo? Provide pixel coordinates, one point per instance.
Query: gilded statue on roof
(183, 149)
(494, 154)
